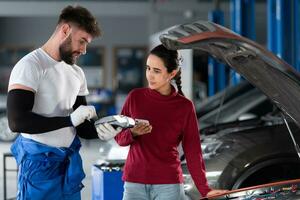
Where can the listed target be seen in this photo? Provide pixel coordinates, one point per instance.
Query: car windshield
(250, 103)
(223, 96)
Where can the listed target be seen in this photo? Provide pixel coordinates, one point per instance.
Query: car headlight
(190, 189)
(212, 147)
(188, 182)
(212, 178)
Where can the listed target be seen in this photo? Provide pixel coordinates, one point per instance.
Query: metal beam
(50, 8)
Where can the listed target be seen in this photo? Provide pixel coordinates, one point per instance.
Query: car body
(222, 97)
(278, 190)
(274, 77)
(246, 153)
(250, 103)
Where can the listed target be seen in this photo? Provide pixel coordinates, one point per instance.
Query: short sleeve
(26, 73)
(83, 91)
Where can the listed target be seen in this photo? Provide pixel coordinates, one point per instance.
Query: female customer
(152, 169)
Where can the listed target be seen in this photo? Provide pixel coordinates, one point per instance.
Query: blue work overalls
(47, 173)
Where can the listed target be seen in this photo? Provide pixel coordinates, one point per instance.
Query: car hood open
(273, 76)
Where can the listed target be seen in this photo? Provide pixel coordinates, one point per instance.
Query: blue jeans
(137, 191)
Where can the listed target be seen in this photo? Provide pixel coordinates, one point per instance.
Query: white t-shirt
(56, 86)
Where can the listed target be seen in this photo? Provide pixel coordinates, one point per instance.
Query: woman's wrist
(133, 133)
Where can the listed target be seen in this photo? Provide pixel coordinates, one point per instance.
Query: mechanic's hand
(82, 113)
(141, 128)
(106, 131)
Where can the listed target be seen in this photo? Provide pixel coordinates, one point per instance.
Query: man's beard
(65, 51)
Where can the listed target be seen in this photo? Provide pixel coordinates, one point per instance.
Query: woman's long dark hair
(171, 62)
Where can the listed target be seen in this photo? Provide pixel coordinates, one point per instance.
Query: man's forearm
(22, 119)
(87, 130)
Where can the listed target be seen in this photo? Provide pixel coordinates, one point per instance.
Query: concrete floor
(89, 153)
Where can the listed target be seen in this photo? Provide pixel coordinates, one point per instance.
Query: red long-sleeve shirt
(153, 158)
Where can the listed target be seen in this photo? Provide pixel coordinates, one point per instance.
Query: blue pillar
(283, 30)
(271, 32)
(296, 33)
(284, 21)
(216, 70)
(243, 23)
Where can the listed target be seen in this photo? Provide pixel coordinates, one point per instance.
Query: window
(9, 56)
(92, 63)
(129, 65)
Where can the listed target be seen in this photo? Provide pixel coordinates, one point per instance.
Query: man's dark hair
(82, 18)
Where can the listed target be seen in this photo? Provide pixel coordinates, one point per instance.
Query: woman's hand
(216, 192)
(141, 128)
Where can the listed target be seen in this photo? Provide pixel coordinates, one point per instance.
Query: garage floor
(88, 152)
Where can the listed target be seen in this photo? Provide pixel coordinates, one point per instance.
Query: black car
(248, 103)
(223, 97)
(262, 150)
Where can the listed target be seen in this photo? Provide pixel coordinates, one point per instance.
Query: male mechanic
(46, 103)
